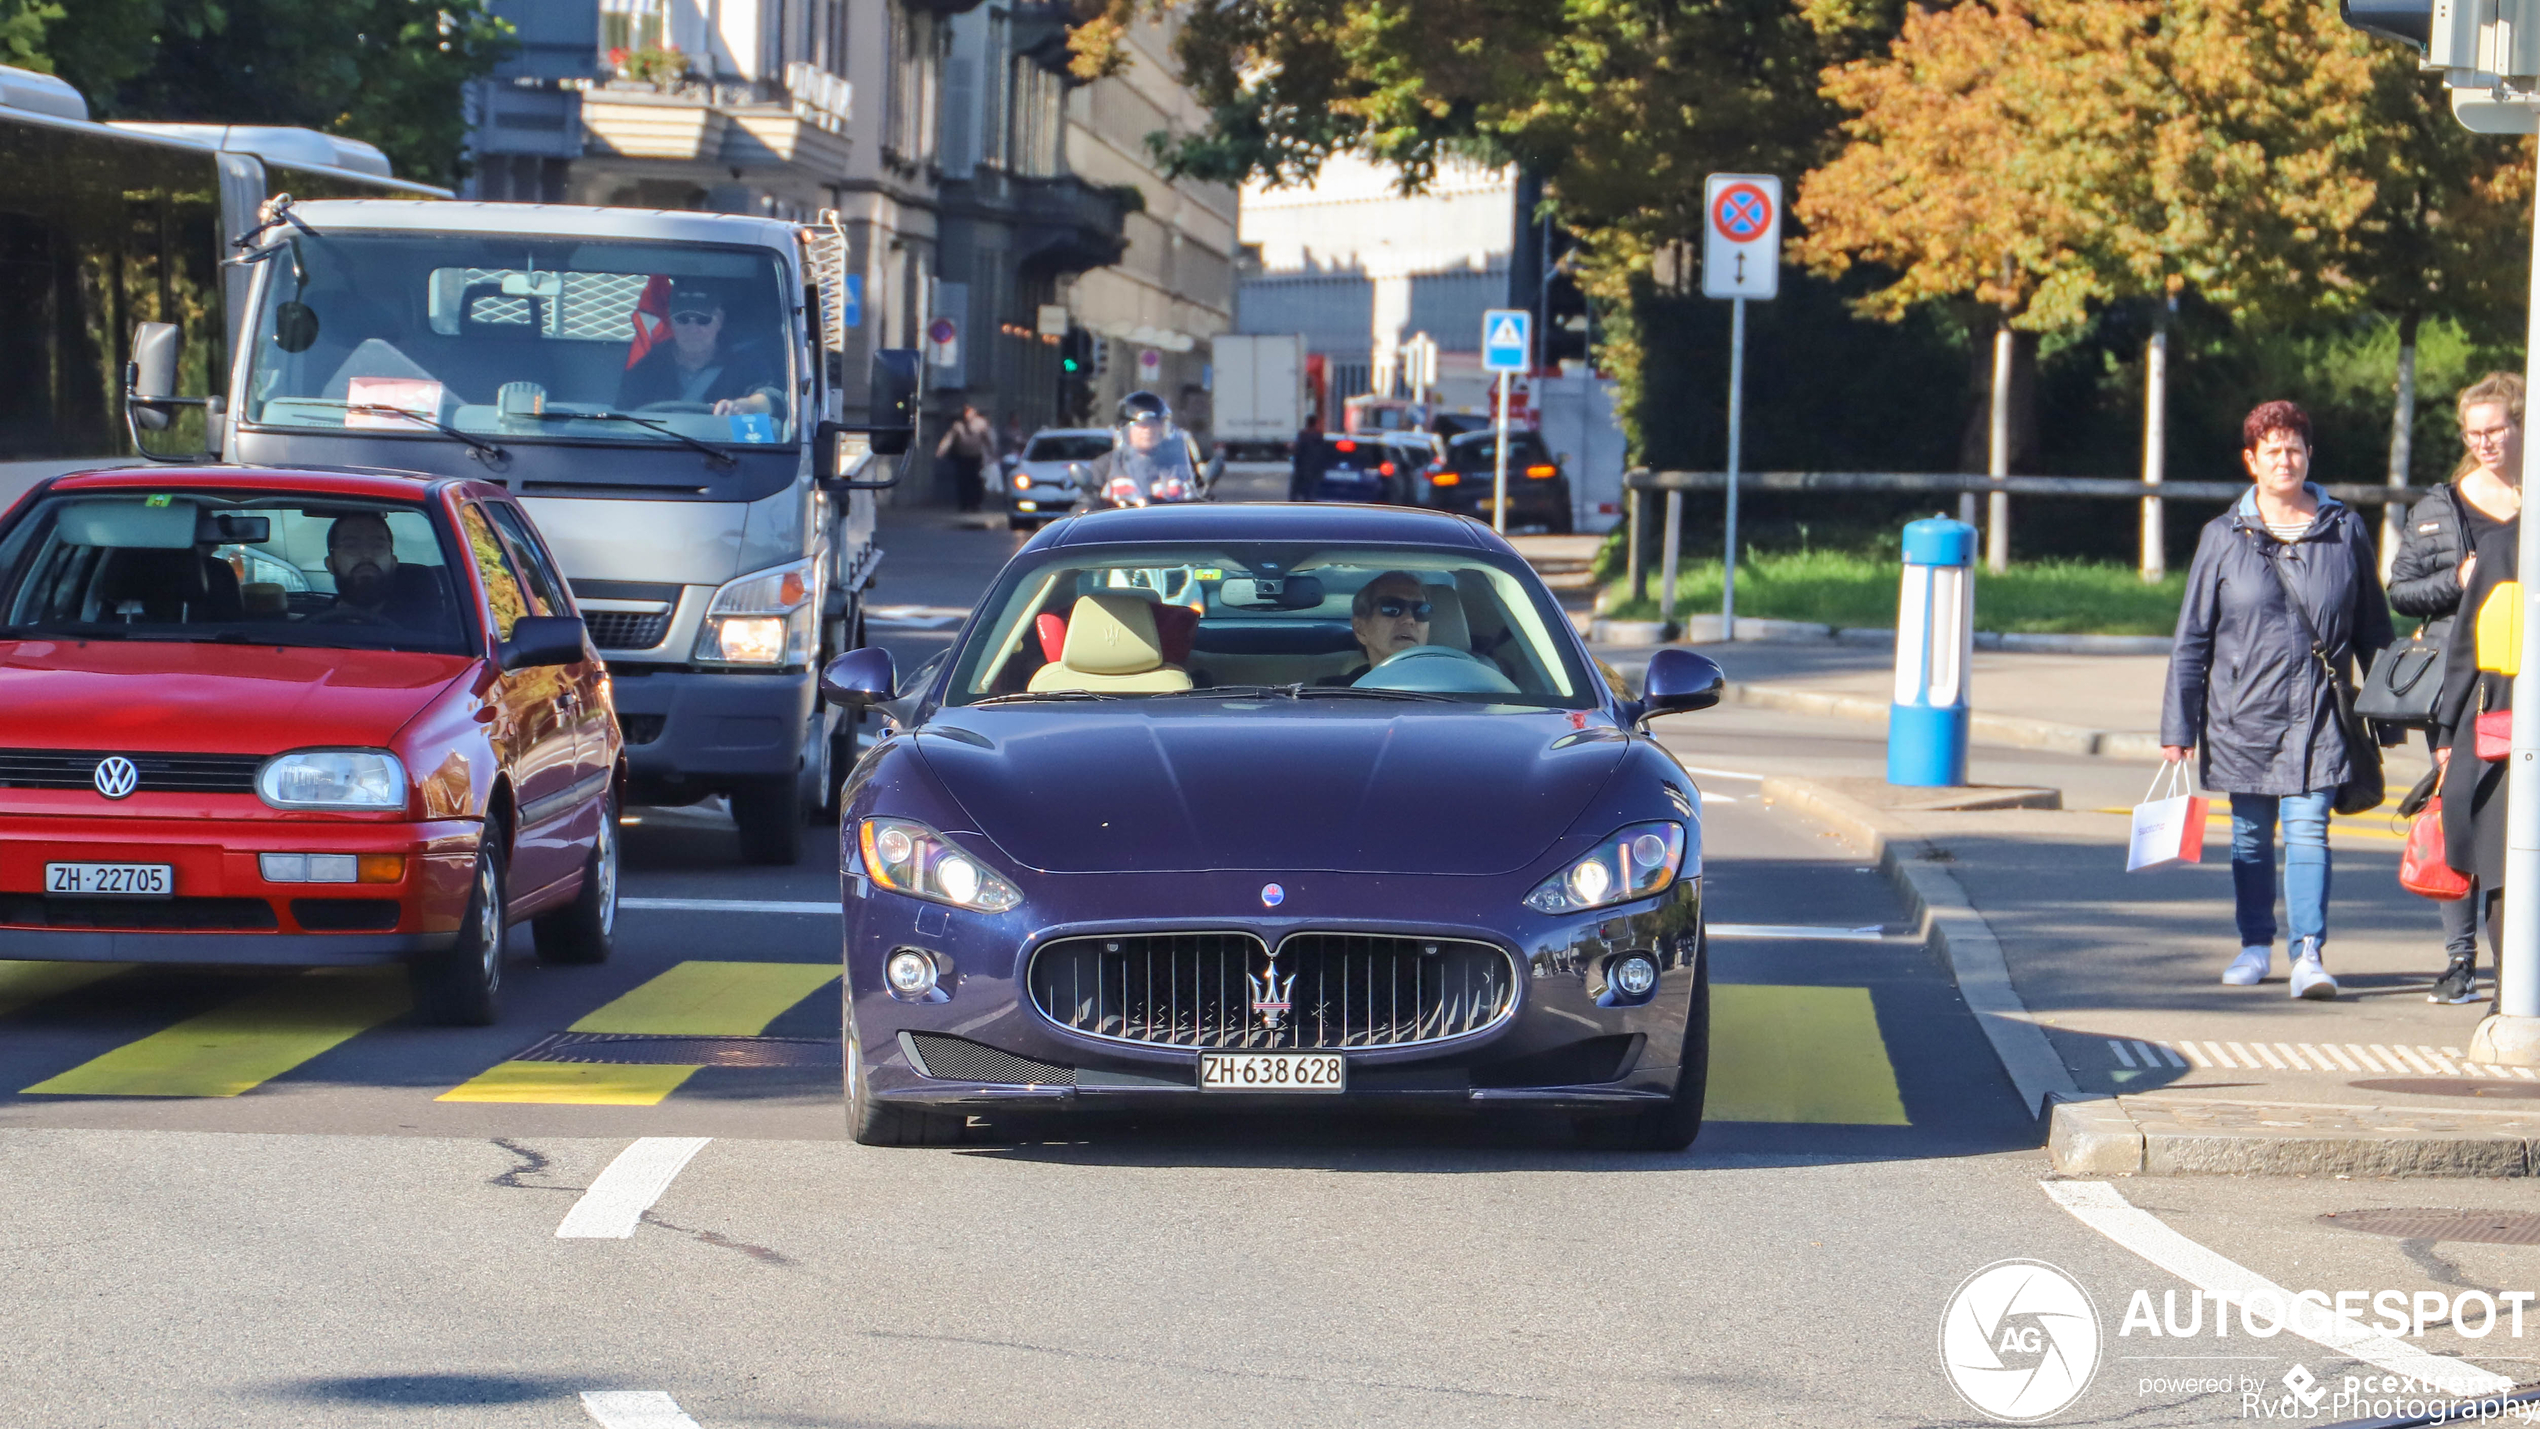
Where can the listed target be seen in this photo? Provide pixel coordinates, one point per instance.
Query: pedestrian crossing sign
(1507, 340)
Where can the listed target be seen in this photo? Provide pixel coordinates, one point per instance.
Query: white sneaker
(2312, 981)
(2250, 968)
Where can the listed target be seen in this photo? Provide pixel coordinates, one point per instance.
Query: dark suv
(1460, 480)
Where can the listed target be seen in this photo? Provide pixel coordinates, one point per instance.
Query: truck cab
(661, 390)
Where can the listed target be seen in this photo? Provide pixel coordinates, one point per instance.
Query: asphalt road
(266, 1200)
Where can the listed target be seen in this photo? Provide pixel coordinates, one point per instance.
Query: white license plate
(111, 880)
(1272, 1072)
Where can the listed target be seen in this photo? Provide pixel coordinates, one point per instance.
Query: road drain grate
(2452, 1087)
(2476, 1227)
(652, 1050)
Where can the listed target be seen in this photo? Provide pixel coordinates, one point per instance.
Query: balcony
(756, 125)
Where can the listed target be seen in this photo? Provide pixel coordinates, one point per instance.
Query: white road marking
(635, 1409)
(1723, 774)
(2124, 1057)
(1786, 930)
(2101, 1207)
(724, 905)
(627, 1189)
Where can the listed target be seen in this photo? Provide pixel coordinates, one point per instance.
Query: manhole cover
(631, 1049)
(2417, 1223)
(2452, 1087)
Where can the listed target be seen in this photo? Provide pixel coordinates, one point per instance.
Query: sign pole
(1737, 425)
(1499, 462)
(2511, 1034)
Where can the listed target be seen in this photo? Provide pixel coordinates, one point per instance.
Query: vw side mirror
(543, 640)
(1679, 681)
(859, 677)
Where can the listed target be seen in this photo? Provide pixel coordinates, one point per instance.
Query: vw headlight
(908, 857)
(347, 780)
(765, 618)
(1633, 862)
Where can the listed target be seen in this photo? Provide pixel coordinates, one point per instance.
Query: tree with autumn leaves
(2048, 157)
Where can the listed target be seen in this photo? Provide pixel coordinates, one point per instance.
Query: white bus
(103, 226)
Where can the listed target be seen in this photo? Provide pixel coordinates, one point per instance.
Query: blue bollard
(1935, 639)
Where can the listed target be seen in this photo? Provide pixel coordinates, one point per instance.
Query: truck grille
(625, 629)
(160, 773)
(1215, 989)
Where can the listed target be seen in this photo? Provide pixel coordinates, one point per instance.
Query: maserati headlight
(908, 857)
(765, 618)
(351, 780)
(1633, 862)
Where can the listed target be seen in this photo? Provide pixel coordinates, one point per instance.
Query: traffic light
(1075, 354)
(1102, 355)
(2477, 40)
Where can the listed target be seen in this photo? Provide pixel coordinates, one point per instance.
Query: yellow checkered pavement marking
(26, 984)
(1799, 1054)
(241, 1045)
(694, 999)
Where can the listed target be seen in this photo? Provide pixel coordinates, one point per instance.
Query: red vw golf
(293, 718)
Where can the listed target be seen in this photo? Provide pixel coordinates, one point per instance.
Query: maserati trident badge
(1272, 895)
(1270, 993)
(117, 777)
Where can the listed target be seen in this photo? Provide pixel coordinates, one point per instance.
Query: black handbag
(2401, 689)
(2363, 790)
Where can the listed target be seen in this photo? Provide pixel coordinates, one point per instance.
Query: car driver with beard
(361, 553)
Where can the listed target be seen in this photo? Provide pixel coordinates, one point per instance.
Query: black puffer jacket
(2425, 575)
(2242, 681)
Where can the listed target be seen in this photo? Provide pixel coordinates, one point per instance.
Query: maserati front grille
(1225, 990)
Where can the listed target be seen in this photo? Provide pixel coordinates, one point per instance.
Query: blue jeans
(2253, 819)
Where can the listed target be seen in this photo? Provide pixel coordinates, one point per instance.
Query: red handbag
(2495, 735)
(2422, 870)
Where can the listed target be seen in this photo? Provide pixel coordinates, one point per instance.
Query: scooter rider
(1148, 450)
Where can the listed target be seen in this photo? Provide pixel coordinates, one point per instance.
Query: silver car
(1042, 487)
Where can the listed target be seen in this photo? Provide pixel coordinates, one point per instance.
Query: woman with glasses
(2486, 494)
(2283, 578)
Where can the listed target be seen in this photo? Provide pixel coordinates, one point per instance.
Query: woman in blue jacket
(2244, 683)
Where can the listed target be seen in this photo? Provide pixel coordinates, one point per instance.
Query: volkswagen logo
(1272, 895)
(117, 777)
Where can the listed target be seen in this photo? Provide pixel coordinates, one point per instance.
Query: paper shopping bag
(2167, 830)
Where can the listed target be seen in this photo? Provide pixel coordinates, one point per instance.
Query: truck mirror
(892, 406)
(154, 354)
(839, 453)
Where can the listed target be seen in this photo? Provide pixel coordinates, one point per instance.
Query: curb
(2153, 1134)
(1705, 630)
(2013, 730)
(1950, 926)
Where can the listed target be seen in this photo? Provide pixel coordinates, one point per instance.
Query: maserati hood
(1187, 786)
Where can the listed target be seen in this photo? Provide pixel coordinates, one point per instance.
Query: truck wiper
(717, 454)
(375, 409)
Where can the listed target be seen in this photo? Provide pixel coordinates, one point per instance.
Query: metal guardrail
(2106, 487)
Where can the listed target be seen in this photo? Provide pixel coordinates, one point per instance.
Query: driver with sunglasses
(1389, 615)
(699, 366)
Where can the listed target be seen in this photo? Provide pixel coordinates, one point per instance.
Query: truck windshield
(522, 338)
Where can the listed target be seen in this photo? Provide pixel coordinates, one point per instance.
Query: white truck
(1257, 397)
(663, 391)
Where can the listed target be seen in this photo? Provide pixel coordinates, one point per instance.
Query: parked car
(299, 719)
(1042, 486)
(1462, 481)
(1267, 806)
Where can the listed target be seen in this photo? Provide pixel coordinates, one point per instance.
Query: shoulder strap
(2293, 598)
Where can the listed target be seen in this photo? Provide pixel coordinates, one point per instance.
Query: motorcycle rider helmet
(1144, 407)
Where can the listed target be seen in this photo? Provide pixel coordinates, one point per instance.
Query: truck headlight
(1633, 862)
(765, 618)
(345, 780)
(907, 857)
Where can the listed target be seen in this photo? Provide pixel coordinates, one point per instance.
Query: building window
(630, 25)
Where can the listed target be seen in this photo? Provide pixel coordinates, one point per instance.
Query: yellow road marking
(693, 999)
(26, 984)
(240, 1045)
(1799, 1054)
(571, 1084)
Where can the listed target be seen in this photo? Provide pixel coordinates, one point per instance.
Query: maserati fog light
(1633, 975)
(912, 973)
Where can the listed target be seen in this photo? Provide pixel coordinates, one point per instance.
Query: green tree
(388, 71)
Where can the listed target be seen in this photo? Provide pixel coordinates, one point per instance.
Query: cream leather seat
(1111, 645)
(1447, 625)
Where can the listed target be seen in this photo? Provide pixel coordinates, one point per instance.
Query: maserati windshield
(523, 339)
(1154, 622)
